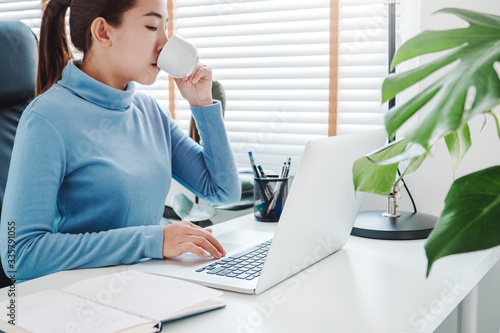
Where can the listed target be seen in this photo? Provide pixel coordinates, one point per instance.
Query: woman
(93, 161)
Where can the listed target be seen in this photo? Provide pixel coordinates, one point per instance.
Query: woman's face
(137, 42)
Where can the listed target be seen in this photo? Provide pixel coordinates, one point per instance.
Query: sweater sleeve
(209, 170)
(30, 210)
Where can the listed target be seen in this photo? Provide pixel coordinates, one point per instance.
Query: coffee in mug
(178, 57)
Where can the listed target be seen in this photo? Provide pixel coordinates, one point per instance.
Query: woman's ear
(100, 32)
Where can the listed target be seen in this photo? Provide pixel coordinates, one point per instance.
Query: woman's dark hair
(54, 50)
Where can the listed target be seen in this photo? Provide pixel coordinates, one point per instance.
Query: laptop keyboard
(245, 265)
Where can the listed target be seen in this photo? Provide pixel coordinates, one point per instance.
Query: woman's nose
(163, 40)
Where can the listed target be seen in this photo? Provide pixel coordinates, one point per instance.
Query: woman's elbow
(233, 195)
(227, 193)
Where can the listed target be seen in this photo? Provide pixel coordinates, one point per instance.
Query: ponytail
(53, 50)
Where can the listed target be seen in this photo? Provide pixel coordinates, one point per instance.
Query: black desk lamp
(390, 224)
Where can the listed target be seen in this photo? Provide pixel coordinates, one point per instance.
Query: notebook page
(56, 311)
(150, 296)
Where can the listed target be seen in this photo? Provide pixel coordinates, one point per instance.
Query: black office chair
(18, 58)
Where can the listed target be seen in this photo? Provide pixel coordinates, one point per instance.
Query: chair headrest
(18, 59)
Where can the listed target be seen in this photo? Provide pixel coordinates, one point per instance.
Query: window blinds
(272, 57)
(27, 11)
(363, 62)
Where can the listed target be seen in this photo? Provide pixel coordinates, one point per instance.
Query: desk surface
(368, 286)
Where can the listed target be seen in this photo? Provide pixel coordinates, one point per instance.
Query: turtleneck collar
(93, 91)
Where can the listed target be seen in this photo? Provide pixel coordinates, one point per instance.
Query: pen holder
(269, 195)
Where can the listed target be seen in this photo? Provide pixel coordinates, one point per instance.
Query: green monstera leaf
(458, 144)
(469, 221)
(468, 85)
(470, 78)
(376, 173)
(465, 84)
(473, 52)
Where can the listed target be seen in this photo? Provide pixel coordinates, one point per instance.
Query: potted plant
(468, 86)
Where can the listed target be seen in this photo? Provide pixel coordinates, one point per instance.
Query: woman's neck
(92, 68)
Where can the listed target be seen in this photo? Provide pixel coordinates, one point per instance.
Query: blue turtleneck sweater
(90, 170)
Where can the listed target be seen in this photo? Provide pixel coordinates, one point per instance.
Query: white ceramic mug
(178, 57)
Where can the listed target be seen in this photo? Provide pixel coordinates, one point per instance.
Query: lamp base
(372, 224)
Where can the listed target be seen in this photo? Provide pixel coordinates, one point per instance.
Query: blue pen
(254, 167)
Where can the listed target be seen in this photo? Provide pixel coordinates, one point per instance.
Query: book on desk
(128, 301)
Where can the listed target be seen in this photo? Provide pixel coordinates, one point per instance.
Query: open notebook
(129, 301)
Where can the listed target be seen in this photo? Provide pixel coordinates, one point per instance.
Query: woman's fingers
(197, 87)
(201, 72)
(199, 231)
(207, 235)
(185, 236)
(192, 248)
(204, 244)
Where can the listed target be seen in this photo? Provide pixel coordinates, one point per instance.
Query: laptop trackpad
(229, 247)
(237, 240)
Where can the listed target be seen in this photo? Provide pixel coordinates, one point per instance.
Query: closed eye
(151, 28)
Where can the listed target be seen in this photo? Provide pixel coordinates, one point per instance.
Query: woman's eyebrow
(158, 15)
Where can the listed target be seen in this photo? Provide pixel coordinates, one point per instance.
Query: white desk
(369, 286)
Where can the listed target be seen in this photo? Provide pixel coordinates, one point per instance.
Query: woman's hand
(197, 87)
(184, 236)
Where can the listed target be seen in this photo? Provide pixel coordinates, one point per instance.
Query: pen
(288, 167)
(269, 188)
(261, 172)
(252, 162)
(264, 189)
(284, 173)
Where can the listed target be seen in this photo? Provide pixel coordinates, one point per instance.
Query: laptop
(316, 221)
